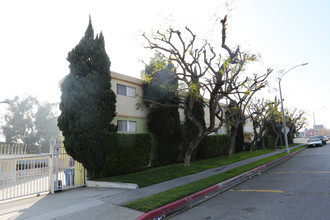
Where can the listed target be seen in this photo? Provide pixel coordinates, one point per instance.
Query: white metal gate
(23, 173)
(65, 172)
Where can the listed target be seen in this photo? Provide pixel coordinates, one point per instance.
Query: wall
(126, 105)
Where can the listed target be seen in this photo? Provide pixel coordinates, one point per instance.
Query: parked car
(321, 138)
(326, 138)
(314, 142)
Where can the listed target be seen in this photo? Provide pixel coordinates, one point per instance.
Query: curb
(198, 197)
(116, 185)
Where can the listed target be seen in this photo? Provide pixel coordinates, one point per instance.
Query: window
(125, 90)
(127, 126)
(121, 89)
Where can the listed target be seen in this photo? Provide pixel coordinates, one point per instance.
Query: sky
(37, 36)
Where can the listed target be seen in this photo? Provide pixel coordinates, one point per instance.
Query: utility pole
(285, 131)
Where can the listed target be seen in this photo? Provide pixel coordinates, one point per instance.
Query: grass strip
(283, 146)
(152, 202)
(156, 175)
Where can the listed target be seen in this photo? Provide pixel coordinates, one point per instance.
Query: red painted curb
(175, 205)
(228, 182)
(161, 212)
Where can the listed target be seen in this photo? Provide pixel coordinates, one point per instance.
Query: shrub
(216, 145)
(247, 146)
(161, 97)
(127, 153)
(164, 124)
(269, 141)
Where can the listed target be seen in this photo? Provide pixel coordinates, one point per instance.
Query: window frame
(126, 90)
(128, 122)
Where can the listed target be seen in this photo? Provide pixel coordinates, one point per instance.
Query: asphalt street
(298, 188)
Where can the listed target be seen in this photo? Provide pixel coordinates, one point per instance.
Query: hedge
(216, 145)
(269, 141)
(127, 153)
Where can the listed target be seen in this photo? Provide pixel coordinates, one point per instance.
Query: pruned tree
(88, 104)
(243, 92)
(295, 120)
(190, 130)
(274, 122)
(234, 121)
(203, 71)
(258, 110)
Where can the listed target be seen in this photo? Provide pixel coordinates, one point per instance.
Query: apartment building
(130, 119)
(128, 91)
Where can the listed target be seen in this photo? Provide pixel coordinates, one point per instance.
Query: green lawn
(283, 146)
(160, 174)
(163, 198)
(156, 175)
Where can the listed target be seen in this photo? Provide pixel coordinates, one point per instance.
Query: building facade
(132, 120)
(128, 91)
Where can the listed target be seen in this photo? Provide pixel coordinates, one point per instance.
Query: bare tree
(240, 98)
(295, 120)
(204, 72)
(258, 110)
(274, 120)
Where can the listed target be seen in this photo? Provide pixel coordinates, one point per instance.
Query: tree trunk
(191, 147)
(290, 134)
(281, 139)
(276, 140)
(278, 135)
(255, 140)
(263, 143)
(262, 129)
(187, 158)
(231, 143)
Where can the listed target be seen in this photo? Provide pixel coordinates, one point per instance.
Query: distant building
(311, 132)
(317, 127)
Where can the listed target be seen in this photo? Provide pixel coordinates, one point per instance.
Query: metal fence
(65, 172)
(23, 173)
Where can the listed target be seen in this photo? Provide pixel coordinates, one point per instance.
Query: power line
(46, 121)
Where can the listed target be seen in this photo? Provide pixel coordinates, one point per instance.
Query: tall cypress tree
(88, 104)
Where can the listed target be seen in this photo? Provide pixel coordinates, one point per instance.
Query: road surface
(298, 188)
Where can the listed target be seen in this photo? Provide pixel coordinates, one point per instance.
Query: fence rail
(23, 174)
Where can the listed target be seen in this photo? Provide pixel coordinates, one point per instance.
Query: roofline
(137, 81)
(115, 75)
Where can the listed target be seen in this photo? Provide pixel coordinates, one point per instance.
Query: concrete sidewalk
(100, 203)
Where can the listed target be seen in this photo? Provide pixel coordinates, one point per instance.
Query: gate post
(51, 166)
